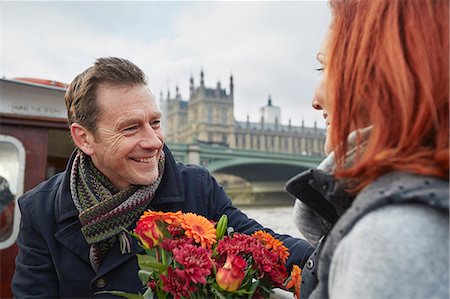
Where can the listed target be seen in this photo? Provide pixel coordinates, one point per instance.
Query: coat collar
(321, 192)
(68, 230)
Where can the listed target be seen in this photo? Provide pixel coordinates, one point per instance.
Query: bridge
(265, 172)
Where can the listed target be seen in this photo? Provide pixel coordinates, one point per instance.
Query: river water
(279, 219)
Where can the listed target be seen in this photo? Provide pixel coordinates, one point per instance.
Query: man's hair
(388, 67)
(81, 95)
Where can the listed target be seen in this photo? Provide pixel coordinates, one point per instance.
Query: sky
(269, 47)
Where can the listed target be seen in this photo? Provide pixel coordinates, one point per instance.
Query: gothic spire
(202, 81)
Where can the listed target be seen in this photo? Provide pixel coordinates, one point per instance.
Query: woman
(377, 207)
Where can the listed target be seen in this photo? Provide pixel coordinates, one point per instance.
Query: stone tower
(210, 113)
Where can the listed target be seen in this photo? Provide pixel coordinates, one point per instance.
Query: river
(279, 219)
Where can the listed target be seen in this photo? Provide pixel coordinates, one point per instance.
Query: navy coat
(53, 258)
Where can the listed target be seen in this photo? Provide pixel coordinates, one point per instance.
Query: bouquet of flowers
(188, 256)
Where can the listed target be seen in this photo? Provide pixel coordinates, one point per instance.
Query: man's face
(129, 138)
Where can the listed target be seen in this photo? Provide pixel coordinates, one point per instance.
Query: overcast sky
(269, 47)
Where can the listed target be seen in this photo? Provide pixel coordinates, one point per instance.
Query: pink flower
(231, 275)
(151, 284)
(177, 285)
(196, 262)
(269, 266)
(171, 244)
(237, 244)
(175, 230)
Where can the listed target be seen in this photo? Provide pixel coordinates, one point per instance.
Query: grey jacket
(392, 242)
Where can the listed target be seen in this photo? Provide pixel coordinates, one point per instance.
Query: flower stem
(163, 256)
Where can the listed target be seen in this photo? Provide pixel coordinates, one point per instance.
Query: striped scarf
(104, 210)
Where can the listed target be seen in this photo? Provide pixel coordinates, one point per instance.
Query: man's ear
(82, 138)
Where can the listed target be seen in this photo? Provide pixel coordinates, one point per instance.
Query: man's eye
(320, 69)
(156, 123)
(132, 128)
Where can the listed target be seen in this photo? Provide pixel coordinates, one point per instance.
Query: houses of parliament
(207, 117)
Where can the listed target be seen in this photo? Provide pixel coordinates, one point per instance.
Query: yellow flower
(200, 229)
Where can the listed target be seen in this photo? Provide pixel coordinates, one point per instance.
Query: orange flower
(295, 281)
(167, 217)
(200, 229)
(272, 244)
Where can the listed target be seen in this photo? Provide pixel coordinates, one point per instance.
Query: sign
(31, 100)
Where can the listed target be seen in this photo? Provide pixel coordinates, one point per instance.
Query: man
(71, 241)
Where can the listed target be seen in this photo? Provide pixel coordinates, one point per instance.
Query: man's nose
(150, 139)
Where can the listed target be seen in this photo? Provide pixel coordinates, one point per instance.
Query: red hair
(388, 68)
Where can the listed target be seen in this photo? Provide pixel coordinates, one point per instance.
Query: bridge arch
(257, 170)
(266, 172)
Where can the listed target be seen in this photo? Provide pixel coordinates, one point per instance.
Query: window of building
(224, 138)
(209, 115)
(224, 116)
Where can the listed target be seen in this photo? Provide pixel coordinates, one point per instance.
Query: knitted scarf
(104, 210)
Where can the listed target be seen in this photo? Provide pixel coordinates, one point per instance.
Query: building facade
(207, 117)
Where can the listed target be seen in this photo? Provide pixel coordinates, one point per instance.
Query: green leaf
(149, 294)
(253, 289)
(144, 276)
(149, 263)
(218, 293)
(151, 252)
(122, 294)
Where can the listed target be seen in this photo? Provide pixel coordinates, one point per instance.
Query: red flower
(237, 244)
(269, 266)
(175, 230)
(196, 262)
(151, 284)
(231, 275)
(177, 285)
(170, 244)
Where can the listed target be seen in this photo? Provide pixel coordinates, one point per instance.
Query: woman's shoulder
(403, 246)
(408, 222)
(402, 187)
(407, 235)
(406, 184)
